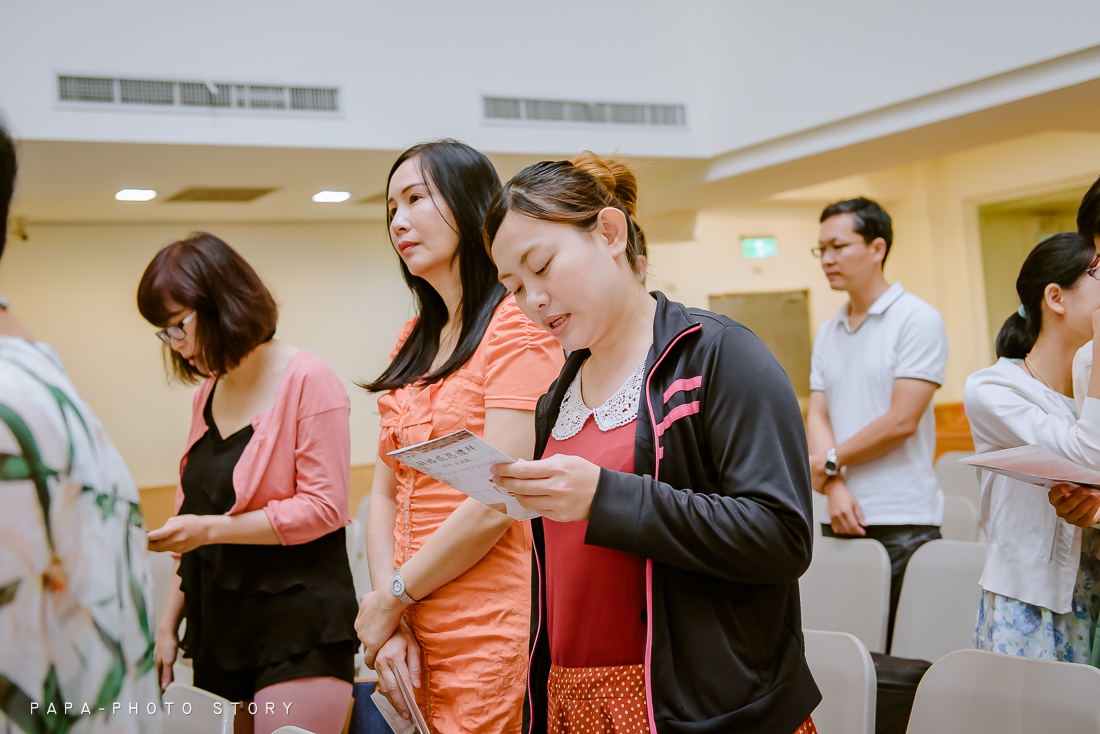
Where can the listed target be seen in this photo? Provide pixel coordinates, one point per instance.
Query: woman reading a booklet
(452, 575)
(1040, 571)
(671, 476)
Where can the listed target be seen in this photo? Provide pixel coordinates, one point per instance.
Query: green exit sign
(757, 247)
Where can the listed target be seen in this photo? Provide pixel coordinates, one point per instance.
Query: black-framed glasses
(1091, 272)
(175, 331)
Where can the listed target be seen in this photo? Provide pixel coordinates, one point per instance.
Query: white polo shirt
(902, 337)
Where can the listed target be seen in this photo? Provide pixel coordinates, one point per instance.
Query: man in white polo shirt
(875, 367)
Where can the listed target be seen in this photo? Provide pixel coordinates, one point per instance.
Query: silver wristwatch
(831, 467)
(397, 586)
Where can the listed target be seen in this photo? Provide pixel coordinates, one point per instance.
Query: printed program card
(1035, 465)
(465, 462)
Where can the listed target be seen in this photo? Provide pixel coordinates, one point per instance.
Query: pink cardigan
(297, 467)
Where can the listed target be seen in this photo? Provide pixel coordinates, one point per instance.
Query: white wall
(748, 71)
(776, 68)
(937, 251)
(408, 72)
(338, 287)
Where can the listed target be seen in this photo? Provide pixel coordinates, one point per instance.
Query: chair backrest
(939, 600)
(847, 589)
(975, 692)
(960, 519)
(160, 564)
(195, 711)
(845, 674)
(357, 557)
(820, 506)
(363, 509)
(291, 730)
(958, 479)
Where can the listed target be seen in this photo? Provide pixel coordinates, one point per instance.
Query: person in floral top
(76, 638)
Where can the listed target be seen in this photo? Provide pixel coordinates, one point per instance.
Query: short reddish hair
(235, 311)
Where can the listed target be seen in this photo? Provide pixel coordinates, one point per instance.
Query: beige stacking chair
(939, 600)
(845, 675)
(960, 519)
(978, 692)
(847, 589)
(160, 564)
(203, 719)
(362, 572)
(958, 479)
(357, 557)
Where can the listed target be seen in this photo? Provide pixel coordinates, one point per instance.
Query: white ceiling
(76, 181)
(64, 181)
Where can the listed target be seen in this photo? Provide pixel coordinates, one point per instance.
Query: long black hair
(7, 182)
(1088, 215)
(467, 182)
(1060, 259)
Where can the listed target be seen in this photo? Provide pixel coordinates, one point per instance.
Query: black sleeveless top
(249, 606)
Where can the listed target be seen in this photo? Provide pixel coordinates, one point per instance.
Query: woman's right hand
(400, 655)
(168, 643)
(1075, 504)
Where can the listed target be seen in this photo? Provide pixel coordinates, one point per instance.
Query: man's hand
(844, 511)
(818, 477)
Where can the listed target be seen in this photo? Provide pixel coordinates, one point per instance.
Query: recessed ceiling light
(331, 197)
(135, 195)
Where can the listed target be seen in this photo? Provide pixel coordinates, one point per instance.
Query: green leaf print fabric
(75, 634)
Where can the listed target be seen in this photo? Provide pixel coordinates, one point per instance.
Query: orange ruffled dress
(474, 630)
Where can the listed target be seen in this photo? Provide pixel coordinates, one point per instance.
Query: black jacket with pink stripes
(719, 505)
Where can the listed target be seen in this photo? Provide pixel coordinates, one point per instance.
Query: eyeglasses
(1091, 272)
(832, 249)
(175, 331)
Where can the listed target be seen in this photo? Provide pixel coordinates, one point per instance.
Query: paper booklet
(413, 725)
(1034, 465)
(465, 462)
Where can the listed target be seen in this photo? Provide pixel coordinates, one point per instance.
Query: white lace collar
(618, 410)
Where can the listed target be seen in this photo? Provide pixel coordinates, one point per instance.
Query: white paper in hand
(1034, 465)
(465, 462)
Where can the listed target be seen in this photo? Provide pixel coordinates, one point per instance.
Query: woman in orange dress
(452, 610)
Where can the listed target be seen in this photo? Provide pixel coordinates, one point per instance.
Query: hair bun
(616, 177)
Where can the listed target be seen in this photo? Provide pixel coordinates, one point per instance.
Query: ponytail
(1017, 336)
(1061, 259)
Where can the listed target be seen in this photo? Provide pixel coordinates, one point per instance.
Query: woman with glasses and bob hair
(1039, 595)
(262, 573)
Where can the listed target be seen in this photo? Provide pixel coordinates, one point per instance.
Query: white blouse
(1033, 554)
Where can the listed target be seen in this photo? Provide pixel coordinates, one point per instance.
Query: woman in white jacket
(1041, 582)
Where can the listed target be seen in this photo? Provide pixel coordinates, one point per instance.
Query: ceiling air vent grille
(585, 113)
(184, 95)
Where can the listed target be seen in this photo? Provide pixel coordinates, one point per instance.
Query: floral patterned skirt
(1013, 627)
(607, 700)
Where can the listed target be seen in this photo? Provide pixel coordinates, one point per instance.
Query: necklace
(1035, 372)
